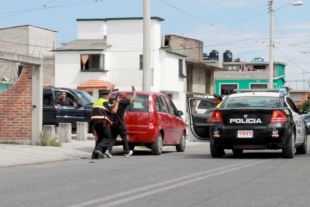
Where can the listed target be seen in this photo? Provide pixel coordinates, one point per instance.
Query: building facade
(248, 75)
(111, 49)
(25, 40)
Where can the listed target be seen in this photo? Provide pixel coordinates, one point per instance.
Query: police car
(253, 120)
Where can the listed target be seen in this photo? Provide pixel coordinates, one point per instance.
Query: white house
(111, 49)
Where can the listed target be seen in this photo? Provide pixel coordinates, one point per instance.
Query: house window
(141, 62)
(258, 86)
(181, 67)
(92, 62)
(227, 89)
(295, 96)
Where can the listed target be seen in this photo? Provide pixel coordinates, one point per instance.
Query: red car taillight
(216, 118)
(278, 117)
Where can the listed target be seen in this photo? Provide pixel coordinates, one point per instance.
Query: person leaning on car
(118, 127)
(65, 101)
(217, 100)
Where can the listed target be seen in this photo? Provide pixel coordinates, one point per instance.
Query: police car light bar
(256, 90)
(282, 91)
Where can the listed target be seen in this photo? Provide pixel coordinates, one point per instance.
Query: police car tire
(289, 151)
(216, 151)
(181, 146)
(237, 151)
(157, 146)
(303, 148)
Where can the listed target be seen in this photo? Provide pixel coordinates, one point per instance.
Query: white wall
(67, 70)
(91, 29)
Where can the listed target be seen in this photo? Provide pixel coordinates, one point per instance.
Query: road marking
(190, 179)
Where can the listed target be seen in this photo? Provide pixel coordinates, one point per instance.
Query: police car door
(299, 122)
(198, 123)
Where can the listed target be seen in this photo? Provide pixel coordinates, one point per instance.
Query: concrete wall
(49, 70)
(16, 110)
(41, 41)
(191, 48)
(91, 29)
(25, 40)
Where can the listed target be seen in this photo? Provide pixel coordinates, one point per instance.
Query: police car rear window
(245, 102)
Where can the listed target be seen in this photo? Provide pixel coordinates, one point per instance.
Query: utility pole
(146, 46)
(271, 10)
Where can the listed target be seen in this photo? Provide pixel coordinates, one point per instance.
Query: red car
(153, 121)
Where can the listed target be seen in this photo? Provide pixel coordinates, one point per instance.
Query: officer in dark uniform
(101, 121)
(119, 127)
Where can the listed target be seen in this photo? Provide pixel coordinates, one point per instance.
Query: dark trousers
(104, 136)
(121, 131)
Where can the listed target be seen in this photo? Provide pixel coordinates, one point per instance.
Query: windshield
(259, 101)
(85, 96)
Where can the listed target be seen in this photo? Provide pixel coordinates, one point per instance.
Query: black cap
(105, 92)
(218, 96)
(111, 100)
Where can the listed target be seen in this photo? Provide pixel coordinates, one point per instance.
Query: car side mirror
(79, 104)
(180, 113)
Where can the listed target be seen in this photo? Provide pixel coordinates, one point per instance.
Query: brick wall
(15, 107)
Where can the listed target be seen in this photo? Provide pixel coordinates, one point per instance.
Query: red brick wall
(15, 110)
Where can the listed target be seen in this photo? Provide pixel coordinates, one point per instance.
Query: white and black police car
(252, 120)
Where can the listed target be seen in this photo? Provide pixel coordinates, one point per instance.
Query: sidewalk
(15, 155)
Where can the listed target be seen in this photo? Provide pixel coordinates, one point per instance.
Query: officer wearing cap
(217, 100)
(101, 121)
(118, 127)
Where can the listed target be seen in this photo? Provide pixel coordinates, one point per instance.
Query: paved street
(191, 178)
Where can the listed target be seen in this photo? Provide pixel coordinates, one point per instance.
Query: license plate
(245, 133)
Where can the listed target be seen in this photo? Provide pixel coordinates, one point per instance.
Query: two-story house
(111, 49)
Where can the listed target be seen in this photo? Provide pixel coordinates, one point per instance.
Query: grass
(46, 141)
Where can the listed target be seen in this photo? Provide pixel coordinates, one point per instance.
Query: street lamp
(271, 10)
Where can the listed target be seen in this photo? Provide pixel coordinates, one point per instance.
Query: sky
(241, 26)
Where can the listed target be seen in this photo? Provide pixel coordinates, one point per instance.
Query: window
(227, 89)
(48, 99)
(181, 68)
(141, 104)
(172, 108)
(163, 104)
(295, 96)
(92, 62)
(141, 62)
(257, 101)
(291, 104)
(157, 104)
(258, 86)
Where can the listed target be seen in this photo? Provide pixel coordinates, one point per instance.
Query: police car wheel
(289, 151)
(303, 148)
(216, 151)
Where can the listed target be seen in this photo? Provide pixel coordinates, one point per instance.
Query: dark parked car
(253, 120)
(53, 114)
(306, 117)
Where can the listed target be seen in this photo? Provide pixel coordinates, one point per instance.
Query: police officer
(119, 127)
(217, 100)
(101, 121)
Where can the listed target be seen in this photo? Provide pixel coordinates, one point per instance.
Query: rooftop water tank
(227, 56)
(214, 55)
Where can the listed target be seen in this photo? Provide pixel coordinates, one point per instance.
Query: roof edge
(119, 18)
